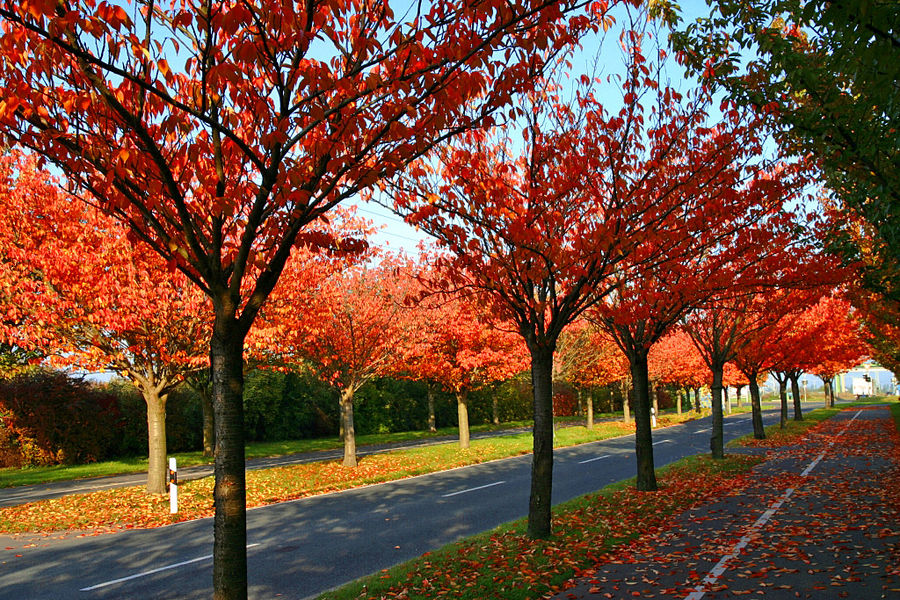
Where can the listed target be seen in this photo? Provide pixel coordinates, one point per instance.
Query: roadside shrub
(290, 405)
(565, 402)
(514, 397)
(184, 421)
(389, 405)
(47, 417)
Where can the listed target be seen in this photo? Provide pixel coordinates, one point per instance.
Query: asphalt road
(301, 548)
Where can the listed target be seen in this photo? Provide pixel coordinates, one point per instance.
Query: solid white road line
(581, 462)
(662, 442)
(466, 491)
(722, 565)
(812, 465)
(151, 572)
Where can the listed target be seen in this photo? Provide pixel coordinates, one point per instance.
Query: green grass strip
(12, 477)
(131, 507)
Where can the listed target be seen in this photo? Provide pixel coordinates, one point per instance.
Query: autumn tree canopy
(839, 339)
(549, 227)
(722, 203)
(350, 326)
(81, 292)
(220, 131)
(457, 345)
(675, 360)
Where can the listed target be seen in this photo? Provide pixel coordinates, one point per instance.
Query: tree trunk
(653, 393)
(782, 393)
(432, 424)
(539, 502)
(495, 410)
(727, 399)
(230, 492)
(209, 422)
(795, 388)
(678, 401)
(759, 432)
(696, 399)
(462, 411)
(738, 394)
(716, 440)
(156, 438)
(626, 398)
(347, 427)
(590, 410)
(829, 392)
(643, 437)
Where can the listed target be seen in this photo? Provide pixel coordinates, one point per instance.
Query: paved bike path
(817, 520)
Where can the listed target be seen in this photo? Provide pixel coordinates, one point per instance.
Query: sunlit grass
(11, 477)
(131, 507)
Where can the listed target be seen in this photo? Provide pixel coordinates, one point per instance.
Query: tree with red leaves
(220, 132)
(350, 323)
(524, 230)
(837, 338)
(776, 280)
(458, 347)
(716, 202)
(121, 309)
(713, 329)
(760, 338)
(796, 352)
(587, 357)
(674, 360)
(549, 230)
(649, 300)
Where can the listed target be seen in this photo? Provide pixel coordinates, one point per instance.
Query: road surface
(299, 549)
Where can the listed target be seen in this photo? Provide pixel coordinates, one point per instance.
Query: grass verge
(13, 477)
(131, 507)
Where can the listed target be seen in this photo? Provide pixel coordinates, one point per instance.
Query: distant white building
(869, 378)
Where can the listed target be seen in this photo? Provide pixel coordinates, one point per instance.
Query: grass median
(13, 477)
(131, 507)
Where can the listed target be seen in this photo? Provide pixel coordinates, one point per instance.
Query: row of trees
(355, 316)
(226, 161)
(350, 316)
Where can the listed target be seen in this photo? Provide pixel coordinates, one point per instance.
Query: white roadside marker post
(173, 487)
(652, 417)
